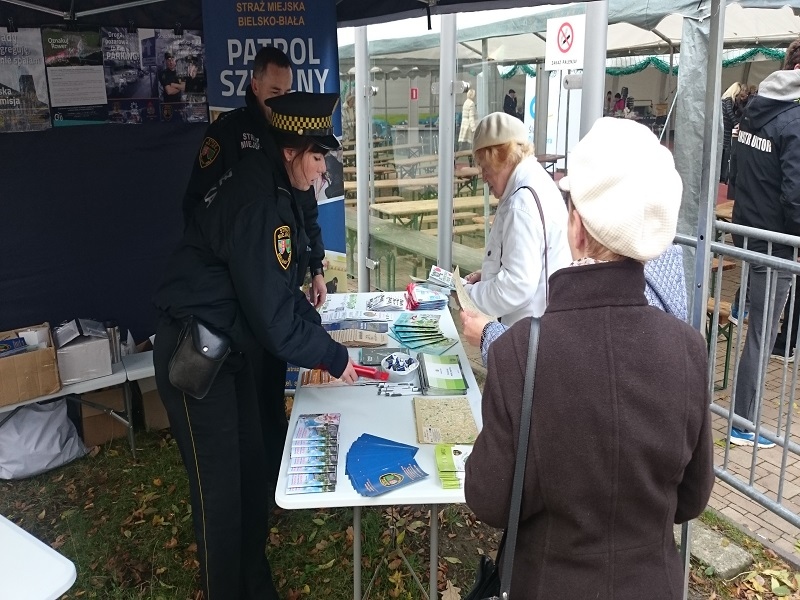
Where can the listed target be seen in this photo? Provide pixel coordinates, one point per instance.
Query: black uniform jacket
(234, 135)
(236, 268)
(768, 161)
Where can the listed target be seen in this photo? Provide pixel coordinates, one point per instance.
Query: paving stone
(715, 550)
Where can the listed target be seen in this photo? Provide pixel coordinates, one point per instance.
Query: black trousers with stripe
(222, 442)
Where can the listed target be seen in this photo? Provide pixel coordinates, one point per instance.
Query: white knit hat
(624, 185)
(498, 128)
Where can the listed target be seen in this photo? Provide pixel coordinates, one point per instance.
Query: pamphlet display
(315, 454)
(376, 465)
(451, 462)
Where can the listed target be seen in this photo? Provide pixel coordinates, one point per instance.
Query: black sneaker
(778, 354)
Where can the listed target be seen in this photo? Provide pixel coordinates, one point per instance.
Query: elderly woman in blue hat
(620, 440)
(235, 274)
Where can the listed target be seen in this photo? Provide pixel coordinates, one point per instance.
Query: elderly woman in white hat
(620, 442)
(528, 239)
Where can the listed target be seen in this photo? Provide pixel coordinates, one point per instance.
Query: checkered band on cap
(303, 125)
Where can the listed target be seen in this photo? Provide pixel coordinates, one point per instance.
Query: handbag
(489, 583)
(197, 358)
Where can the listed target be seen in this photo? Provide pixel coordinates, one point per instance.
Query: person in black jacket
(172, 86)
(730, 119)
(231, 138)
(235, 270)
(767, 197)
(246, 129)
(510, 103)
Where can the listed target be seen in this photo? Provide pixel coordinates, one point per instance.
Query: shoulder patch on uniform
(283, 246)
(208, 152)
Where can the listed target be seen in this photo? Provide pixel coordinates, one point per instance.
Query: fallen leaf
(172, 543)
(327, 565)
(41, 515)
(451, 592)
(157, 482)
(395, 564)
(453, 560)
(59, 541)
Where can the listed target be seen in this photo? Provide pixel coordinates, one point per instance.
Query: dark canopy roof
(166, 13)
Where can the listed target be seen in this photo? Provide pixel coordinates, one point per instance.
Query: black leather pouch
(197, 358)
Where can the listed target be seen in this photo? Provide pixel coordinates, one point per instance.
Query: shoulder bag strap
(519, 466)
(544, 234)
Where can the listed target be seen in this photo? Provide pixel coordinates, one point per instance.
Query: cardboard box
(69, 330)
(97, 427)
(84, 358)
(29, 374)
(155, 415)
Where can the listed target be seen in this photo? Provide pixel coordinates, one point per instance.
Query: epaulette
(228, 113)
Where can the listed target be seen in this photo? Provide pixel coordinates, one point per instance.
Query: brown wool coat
(620, 447)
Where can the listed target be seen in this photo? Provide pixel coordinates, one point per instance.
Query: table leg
(433, 595)
(129, 416)
(357, 553)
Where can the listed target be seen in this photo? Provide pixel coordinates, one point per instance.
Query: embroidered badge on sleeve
(208, 152)
(283, 246)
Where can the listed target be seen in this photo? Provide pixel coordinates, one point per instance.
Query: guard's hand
(349, 375)
(473, 277)
(317, 292)
(473, 325)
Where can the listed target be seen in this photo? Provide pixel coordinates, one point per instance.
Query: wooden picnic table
(724, 211)
(410, 149)
(390, 240)
(415, 210)
(380, 171)
(548, 161)
(397, 184)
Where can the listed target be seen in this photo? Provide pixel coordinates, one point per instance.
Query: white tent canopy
(520, 40)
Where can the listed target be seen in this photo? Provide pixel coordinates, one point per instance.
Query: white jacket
(469, 121)
(512, 284)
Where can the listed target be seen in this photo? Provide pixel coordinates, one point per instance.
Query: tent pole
(363, 171)
(594, 64)
(447, 118)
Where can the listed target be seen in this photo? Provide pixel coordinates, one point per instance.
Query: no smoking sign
(564, 43)
(565, 37)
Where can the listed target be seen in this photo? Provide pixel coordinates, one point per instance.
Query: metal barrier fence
(772, 288)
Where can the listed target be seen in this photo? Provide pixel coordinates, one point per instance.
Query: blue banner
(234, 32)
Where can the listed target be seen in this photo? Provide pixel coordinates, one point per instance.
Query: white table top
(139, 365)
(363, 411)
(30, 569)
(117, 377)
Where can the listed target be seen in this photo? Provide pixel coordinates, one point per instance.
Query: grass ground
(127, 527)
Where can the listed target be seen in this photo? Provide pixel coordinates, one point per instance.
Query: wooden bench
(433, 220)
(378, 200)
(724, 330)
(458, 230)
(389, 241)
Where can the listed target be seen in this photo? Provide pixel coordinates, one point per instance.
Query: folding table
(30, 569)
(363, 411)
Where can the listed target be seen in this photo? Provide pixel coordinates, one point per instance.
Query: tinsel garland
(509, 71)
